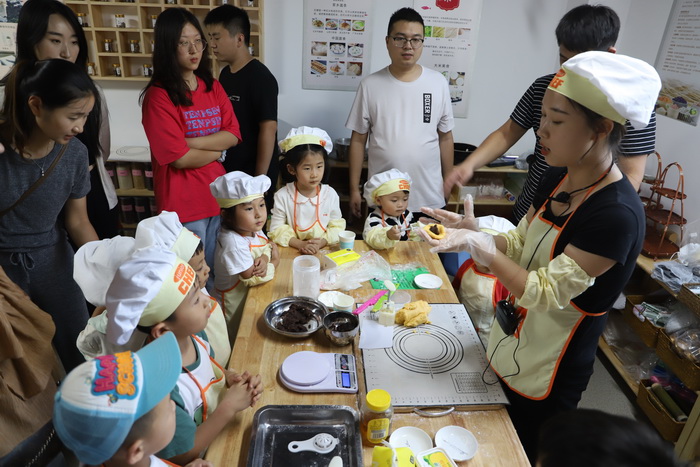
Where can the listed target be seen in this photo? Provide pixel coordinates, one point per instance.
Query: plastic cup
(343, 302)
(347, 240)
(306, 276)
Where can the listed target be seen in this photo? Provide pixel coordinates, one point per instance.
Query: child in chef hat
(158, 292)
(94, 267)
(166, 230)
(306, 214)
(116, 409)
(390, 221)
(244, 255)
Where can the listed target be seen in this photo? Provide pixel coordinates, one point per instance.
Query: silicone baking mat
(436, 364)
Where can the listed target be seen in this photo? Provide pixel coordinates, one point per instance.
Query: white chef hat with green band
(238, 187)
(615, 86)
(306, 135)
(146, 290)
(166, 230)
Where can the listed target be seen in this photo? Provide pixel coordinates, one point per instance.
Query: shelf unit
(138, 26)
(688, 445)
(656, 241)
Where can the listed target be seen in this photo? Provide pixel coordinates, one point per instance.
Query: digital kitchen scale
(308, 371)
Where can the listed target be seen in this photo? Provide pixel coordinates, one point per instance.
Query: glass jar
(108, 45)
(153, 46)
(119, 21)
(82, 19)
(153, 20)
(134, 46)
(376, 413)
(147, 70)
(117, 69)
(91, 69)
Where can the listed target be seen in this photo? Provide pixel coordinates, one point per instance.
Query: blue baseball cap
(99, 401)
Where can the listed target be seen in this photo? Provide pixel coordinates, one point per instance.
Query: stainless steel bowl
(345, 320)
(274, 310)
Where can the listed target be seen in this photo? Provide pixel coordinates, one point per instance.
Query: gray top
(32, 224)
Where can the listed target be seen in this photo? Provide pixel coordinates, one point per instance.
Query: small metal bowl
(343, 318)
(274, 310)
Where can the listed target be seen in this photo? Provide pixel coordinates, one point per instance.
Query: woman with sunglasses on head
(573, 253)
(189, 122)
(43, 172)
(49, 29)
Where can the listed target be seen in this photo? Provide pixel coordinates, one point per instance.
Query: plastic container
(306, 276)
(141, 208)
(124, 176)
(148, 176)
(126, 210)
(137, 175)
(376, 413)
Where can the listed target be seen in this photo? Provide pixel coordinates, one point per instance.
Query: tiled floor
(605, 393)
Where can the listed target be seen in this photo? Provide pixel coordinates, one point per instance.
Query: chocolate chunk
(434, 229)
(295, 319)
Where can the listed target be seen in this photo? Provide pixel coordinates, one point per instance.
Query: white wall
(512, 50)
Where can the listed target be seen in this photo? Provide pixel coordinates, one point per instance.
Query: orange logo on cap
(557, 80)
(187, 280)
(404, 185)
(179, 272)
(322, 143)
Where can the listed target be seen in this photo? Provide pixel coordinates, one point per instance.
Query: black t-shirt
(253, 92)
(610, 223)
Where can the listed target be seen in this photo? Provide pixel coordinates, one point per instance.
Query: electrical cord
(483, 373)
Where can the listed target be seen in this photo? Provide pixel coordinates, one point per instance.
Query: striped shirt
(527, 114)
(375, 219)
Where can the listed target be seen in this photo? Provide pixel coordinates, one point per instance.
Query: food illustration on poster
(336, 34)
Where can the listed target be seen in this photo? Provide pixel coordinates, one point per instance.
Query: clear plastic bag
(351, 275)
(689, 253)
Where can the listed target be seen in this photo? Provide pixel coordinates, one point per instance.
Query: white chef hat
(147, 288)
(165, 230)
(306, 135)
(615, 86)
(238, 188)
(95, 264)
(385, 183)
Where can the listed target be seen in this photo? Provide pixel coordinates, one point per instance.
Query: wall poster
(9, 14)
(451, 32)
(678, 64)
(336, 44)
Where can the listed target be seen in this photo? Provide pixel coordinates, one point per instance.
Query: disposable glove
(453, 220)
(480, 245)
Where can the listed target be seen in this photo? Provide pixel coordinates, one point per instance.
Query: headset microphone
(565, 196)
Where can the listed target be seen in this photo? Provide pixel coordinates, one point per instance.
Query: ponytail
(57, 83)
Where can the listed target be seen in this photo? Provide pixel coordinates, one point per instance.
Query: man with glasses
(405, 112)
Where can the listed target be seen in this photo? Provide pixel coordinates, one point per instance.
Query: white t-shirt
(234, 255)
(403, 120)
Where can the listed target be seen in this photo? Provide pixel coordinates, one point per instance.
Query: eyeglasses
(198, 45)
(416, 43)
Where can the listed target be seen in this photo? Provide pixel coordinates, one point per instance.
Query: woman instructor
(570, 257)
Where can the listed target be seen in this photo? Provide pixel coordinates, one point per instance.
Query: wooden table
(260, 350)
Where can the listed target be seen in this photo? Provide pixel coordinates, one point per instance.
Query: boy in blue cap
(116, 409)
